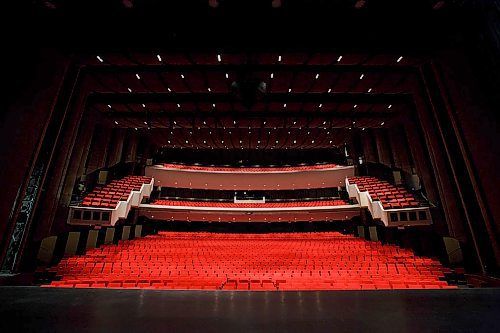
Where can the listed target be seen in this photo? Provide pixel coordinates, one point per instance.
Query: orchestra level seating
(318, 203)
(278, 261)
(109, 195)
(391, 197)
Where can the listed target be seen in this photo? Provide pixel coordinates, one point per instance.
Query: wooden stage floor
(33, 309)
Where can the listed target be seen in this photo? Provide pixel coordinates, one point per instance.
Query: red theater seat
(109, 195)
(280, 261)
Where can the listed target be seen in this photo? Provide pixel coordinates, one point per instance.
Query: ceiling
(245, 75)
(251, 100)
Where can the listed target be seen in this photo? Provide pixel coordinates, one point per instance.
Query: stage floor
(36, 309)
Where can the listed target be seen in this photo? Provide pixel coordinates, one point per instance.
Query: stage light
(339, 58)
(158, 57)
(182, 76)
(272, 75)
(361, 76)
(116, 123)
(137, 76)
(330, 90)
(399, 59)
(129, 90)
(143, 105)
(382, 123)
(100, 59)
(178, 105)
(227, 76)
(219, 59)
(370, 90)
(317, 76)
(390, 106)
(279, 58)
(109, 106)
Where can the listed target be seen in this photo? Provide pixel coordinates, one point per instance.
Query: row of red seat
(109, 195)
(287, 261)
(250, 205)
(391, 197)
(250, 169)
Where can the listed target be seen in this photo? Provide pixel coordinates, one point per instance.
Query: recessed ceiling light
(330, 142)
(312, 141)
(241, 141)
(168, 141)
(187, 141)
(399, 59)
(276, 141)
(204, 141)
(353, 122)
(100, 59)
(159, 57)
(129, 90)
(361, 76)
(294, 141)
(317, 76)
(222, 141)
(137, 76)
(116, 122)
(258, 141)
(219, 59)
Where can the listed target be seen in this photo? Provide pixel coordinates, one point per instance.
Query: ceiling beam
(166, 97)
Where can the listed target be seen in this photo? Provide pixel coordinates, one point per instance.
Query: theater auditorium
(253, 166)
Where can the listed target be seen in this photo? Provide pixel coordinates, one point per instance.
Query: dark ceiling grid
(99, 81)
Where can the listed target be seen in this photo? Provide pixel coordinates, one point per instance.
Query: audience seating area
(250, 205)
(391, 197)
(250, 169)
(109, 195)
(279, 261)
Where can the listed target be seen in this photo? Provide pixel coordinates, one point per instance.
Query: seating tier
(283, 261)
(391, 196)
(319, 203)
(108, 196)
